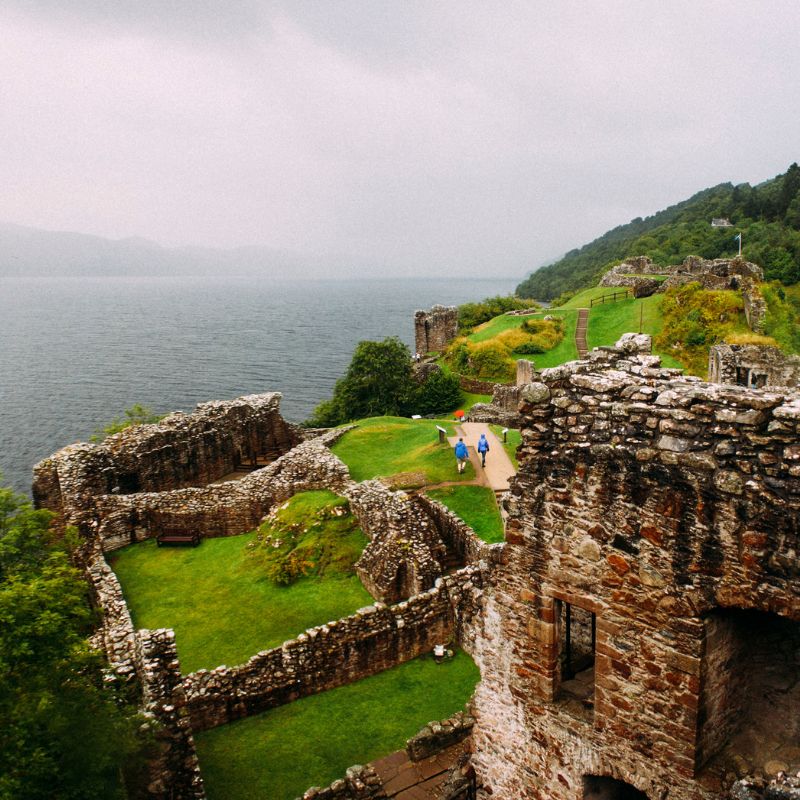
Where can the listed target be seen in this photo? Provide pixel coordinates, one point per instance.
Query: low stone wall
(459, 538)
(373, 639)
(359, 783)
(224, 509)
(438, 736)
(405, 555)
(174, 772)
(116, 634)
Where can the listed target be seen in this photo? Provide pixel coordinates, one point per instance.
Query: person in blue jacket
(483, 448)
(462, 454)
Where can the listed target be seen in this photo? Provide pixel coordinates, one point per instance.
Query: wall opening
(577, 636)
(601, 787)
(749, 710)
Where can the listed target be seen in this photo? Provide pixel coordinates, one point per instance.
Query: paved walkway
(580, 332)
(404, 779)
(498, 470)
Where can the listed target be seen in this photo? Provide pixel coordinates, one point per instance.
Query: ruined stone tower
(435, 328)
(642, 635)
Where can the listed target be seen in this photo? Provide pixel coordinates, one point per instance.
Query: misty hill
(34, 252)
(767, 214)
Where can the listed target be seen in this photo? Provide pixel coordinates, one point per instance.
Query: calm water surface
(75, 352)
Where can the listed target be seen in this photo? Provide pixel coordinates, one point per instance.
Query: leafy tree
(440, 392)
(378, 381)
(767, 215)
(64, 734)
(137, 414)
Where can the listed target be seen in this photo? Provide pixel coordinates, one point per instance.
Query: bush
(440, 393)
(135, 415)
(377, 382)
(491, 361)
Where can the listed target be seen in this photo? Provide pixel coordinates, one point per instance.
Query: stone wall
(373, 639)
(752, 365)
(180, 451)
(434, 329)
(650, 500)
(359, 783)
(224, 509)
(755, 306)
(174, 772)
(475, 385)
(438, 736)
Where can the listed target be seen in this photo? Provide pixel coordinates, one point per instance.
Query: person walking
(483, 448)
(462, 454)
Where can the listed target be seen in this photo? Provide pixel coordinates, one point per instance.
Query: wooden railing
(614, 295)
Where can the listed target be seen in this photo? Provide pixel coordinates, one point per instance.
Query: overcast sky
(430, 137)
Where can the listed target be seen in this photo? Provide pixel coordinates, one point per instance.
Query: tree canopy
(768, 215)
(380, 381)
(64, 734)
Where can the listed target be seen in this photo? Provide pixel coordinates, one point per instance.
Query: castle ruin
(434, 329)
(638, 632)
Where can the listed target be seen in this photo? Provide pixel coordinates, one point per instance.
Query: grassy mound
(476, 506)
(313, 533)
(312, 741)
(386, 446)
(221, 604)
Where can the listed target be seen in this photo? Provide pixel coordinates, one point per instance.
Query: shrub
(440, 393)
(490, 361)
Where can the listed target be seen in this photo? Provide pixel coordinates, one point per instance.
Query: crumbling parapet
(435, 329)
(359, 783)
(182, 450)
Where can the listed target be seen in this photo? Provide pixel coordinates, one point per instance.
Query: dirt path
(498, 470)
(580, 332)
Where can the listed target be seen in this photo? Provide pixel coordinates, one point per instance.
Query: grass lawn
(311, 742)
(220, 603)
(609, 321)
(476, 506)
(495, 326)
(585, 297)
(384, 446)
(565, 350)
(470, 398)
(514, 440)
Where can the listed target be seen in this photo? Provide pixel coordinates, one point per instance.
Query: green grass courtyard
(312, 741)
(220, 602)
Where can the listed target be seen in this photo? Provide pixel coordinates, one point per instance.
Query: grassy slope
(221, 606)
(609, 321)
(564, 351)
(476, 506)
(383, 446)
(312, 741)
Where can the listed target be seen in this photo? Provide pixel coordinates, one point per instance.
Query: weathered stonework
(182, 450)
(751, 365)
(435, 329)
(359, 783)
(665, 511)
(438, 736)
(344, 650)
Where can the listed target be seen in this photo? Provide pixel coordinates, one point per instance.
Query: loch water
(76, 352)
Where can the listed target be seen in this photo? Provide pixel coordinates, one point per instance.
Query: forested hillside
(768, 215)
